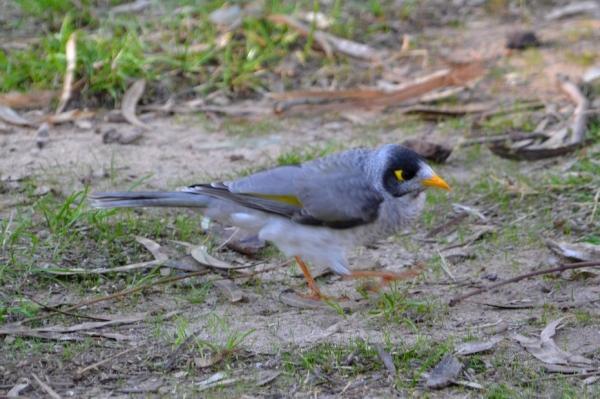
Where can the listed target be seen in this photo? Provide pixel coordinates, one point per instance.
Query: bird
(316, 211)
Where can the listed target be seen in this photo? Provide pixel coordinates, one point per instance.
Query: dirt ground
(188, 149)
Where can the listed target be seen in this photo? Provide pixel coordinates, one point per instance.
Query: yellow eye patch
(399, 174)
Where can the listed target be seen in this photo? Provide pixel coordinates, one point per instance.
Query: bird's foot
(386, 276)
(313, 296)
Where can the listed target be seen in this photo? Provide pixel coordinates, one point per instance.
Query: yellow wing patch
(288, 199)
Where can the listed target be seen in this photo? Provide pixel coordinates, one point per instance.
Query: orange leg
(312, 284)
(387, 277)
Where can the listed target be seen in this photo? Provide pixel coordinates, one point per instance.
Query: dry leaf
(266, 376)
(215, 381)
(153, 247)
(68, 116)
(21, 385)
(468, 384)
(290, 298)
(71, 56)
(10, 116)
(546, 350)
(582, 251)
(232, 292)
(468, 348)
(129, 103)
(186, 263)
(445, 373)
(212, 379)
(201, 256)
(386, 358)
(203, 362)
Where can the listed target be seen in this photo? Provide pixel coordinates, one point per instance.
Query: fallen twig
(53, 309)
(152, 284)
(553, 377)
(452, 223)
(386, 358)
(83, 370)
(328, 42)
(46, 387)
(168, 364)
(71, 56)
(580, 115)
(558, 269)
(502, 137)
(129, 103)
(572, 9)
(368, 98)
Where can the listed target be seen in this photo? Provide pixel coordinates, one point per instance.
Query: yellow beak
(436, 181)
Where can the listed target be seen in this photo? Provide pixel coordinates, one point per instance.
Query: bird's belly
(326, 246)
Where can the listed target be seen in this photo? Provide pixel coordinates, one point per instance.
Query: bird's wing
(335, 191)
(276, 184)
(332, 191)
(270, 190)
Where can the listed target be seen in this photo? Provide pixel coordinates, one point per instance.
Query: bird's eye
(404, 175)
(407, 175)
(399, 174)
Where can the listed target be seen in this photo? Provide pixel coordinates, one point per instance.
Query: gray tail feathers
(150, 199)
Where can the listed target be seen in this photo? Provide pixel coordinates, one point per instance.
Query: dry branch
(129, 103)
(329, 43)
(368, 98)
(558, 269)
(580, 115)
(46, 387)
(83, 370)
(28, 100)
(152, 284)
(71, 56)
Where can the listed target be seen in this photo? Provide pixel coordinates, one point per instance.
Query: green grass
(179, 51)
(61, 231)
(74, 233)
(112, 52)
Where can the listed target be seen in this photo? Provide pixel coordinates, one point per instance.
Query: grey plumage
(317, 210)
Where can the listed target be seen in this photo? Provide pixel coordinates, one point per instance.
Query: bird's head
(403, 171)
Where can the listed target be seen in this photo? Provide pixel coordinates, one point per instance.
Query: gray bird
(315, 211)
